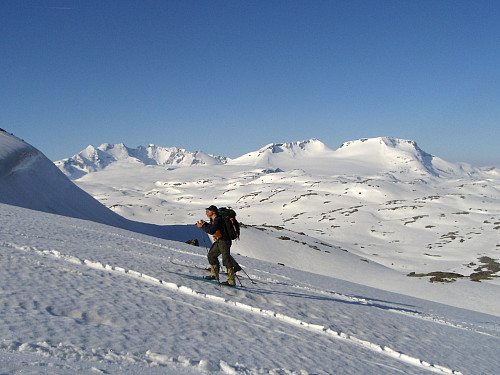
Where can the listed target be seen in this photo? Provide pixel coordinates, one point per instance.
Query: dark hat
(212, 208)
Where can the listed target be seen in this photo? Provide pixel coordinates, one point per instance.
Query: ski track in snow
(282, 280)
(275, 278)
(44, 348)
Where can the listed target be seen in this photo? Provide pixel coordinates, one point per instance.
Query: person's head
(211, 212)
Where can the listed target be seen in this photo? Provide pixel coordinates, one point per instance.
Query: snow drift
(29, 179)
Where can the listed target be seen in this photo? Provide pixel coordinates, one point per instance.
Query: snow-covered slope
(29, 179)
(421, 226)
(80, 298)
(93, 159)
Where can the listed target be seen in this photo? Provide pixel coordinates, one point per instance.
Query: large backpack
(232, 225)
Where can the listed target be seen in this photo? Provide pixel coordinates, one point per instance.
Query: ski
(194, 267)
(200, 278)
(253, 281)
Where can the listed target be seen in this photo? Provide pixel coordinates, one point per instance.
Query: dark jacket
(217, 228)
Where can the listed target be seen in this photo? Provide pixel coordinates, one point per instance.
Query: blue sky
(229, 77)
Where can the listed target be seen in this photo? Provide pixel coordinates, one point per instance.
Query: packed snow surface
(81, 297)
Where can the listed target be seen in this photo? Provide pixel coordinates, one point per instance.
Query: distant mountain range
(94, 159)
(399, 158)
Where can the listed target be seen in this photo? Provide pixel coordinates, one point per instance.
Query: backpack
(232, 225)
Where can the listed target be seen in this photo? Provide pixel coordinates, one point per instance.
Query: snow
(79, 295)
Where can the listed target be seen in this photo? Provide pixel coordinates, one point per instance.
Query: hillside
(28, 179)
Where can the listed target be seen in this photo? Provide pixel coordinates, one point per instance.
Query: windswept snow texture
(80, 297)
(28, 179)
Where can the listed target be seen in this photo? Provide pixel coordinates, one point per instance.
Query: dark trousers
(220, 247)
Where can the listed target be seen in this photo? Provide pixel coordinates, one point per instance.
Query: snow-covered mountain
(94, 159)
(275, 153)
(402, 157)
(399, 158)
(326, 259)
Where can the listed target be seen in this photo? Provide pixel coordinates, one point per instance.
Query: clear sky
(228, 77)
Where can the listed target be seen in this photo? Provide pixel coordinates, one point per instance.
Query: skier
(221, 246)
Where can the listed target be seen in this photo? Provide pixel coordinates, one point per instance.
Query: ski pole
(241, 284)
(249, 278)
(204, 239)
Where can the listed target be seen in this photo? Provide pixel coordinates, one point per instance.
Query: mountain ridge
(93, 159)
(400, 158)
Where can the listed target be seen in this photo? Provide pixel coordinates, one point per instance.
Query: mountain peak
(379, 141)
(384, 146)
(401, 153)
(284, 154)
(310, 145)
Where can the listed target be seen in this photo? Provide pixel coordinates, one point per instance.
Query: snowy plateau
(339, 249)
